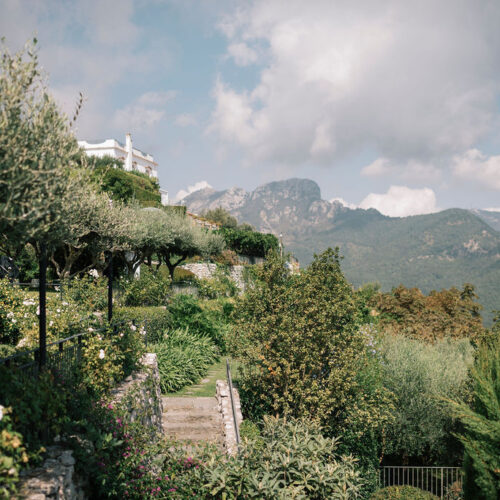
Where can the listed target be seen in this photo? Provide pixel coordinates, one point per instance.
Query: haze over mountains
(431, 251)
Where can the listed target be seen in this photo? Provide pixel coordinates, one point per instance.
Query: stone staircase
(193, 419)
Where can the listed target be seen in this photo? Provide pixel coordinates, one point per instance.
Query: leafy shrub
(89, 293)
(296, 461)
(249, 242)
(183, 358)
(109, 356)
(12, 454)
(155, 320)
(148, 290)
(297, 341)
(449, 313)
(186, 312)
(480, 434)
(420, 375)
(181, 274)
(402, 493)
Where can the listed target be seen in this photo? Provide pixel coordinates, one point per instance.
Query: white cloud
(477, 167)
(412, 81)
(191, 189)
(401, 201)
(242, 54)
(185, 120)
(344, 203)
(381, 166)
(145, 112)
(492, 209)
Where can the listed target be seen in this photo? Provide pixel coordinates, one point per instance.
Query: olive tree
(37, 151)
(94, 225)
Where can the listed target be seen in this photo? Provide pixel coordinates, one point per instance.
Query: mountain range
(431, 251)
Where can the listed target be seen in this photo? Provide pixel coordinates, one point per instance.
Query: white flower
(65, 304)
(1, 412)
(13, 320)
(38, 311)
(58, 310)
(99, 337)
(90, 329)
(101, 354)
(142, 331)
(94, 273)
(133, 327)
(10, 315)
(121, 334)
(29, 302)
(51, 323)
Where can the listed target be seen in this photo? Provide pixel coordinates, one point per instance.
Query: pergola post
(42, 304)
(110, 286)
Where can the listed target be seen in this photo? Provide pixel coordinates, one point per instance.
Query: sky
(385, 104)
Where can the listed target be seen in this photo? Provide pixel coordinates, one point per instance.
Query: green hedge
(156, 320)
(402, 493)
(249, 242)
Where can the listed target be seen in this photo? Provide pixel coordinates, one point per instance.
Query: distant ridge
(431, 251)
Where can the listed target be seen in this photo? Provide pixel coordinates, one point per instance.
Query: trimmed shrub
(155, 320)
(183, 358)
(148, 290)
(402, 493)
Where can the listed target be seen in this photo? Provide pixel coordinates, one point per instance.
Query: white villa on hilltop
(133, 159)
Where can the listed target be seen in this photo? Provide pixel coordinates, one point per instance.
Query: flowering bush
(149, 290)
(12, 454)
(19, 312)
(89, 293)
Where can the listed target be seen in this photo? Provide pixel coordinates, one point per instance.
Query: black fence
(63, 356)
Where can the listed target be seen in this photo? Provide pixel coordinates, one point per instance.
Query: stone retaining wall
(203, 270)
(138, 395)
(224, 401)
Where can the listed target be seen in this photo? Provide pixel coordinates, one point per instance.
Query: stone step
(195, 435)
(191, 417)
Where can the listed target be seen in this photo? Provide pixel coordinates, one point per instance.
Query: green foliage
(183, 358)
(125, 186)
(295, 461)
(449, 313)
(402, 493)
(297, 341)
(154, 320)
(27, 264)
(11, 299)
(220, 285)
(186, 313)
(420, 375)
(222, 217)
(149, 289)
(12, 454)
(249, 242)
(37, 153)
(481, 427)
(89, 293)
(110, 356)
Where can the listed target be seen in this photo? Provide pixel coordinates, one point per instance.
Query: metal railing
(233, 406)
(439, 481)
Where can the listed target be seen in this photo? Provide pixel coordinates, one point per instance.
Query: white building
(133, 159)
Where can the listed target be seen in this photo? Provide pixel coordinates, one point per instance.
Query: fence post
(42, 304)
